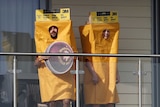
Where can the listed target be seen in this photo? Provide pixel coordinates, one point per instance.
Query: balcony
(20, 84)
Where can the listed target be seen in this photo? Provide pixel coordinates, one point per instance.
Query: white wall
(134, 38)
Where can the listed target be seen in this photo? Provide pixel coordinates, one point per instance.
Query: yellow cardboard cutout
(53, 86)
(106, 67)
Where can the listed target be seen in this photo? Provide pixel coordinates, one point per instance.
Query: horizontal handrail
(79, 54)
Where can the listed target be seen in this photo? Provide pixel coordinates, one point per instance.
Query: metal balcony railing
(77, 55)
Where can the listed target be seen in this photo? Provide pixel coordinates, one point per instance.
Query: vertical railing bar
(77, 82)
(140, 82)
(14, 82)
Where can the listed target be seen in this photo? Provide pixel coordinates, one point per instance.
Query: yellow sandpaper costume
(105, 67)
(54, 86)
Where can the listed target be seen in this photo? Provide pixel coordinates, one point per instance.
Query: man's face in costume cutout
(53, 30)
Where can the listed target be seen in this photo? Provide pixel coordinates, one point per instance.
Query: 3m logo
(65, 11)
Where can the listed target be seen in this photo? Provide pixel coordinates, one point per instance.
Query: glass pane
(6, 79)
(130, 88)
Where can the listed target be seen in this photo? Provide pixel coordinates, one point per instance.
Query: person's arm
(117, 77)
(95, 78)
(39, 59)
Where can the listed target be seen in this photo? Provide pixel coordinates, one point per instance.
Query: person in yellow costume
(101, 73)
(54, 87)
